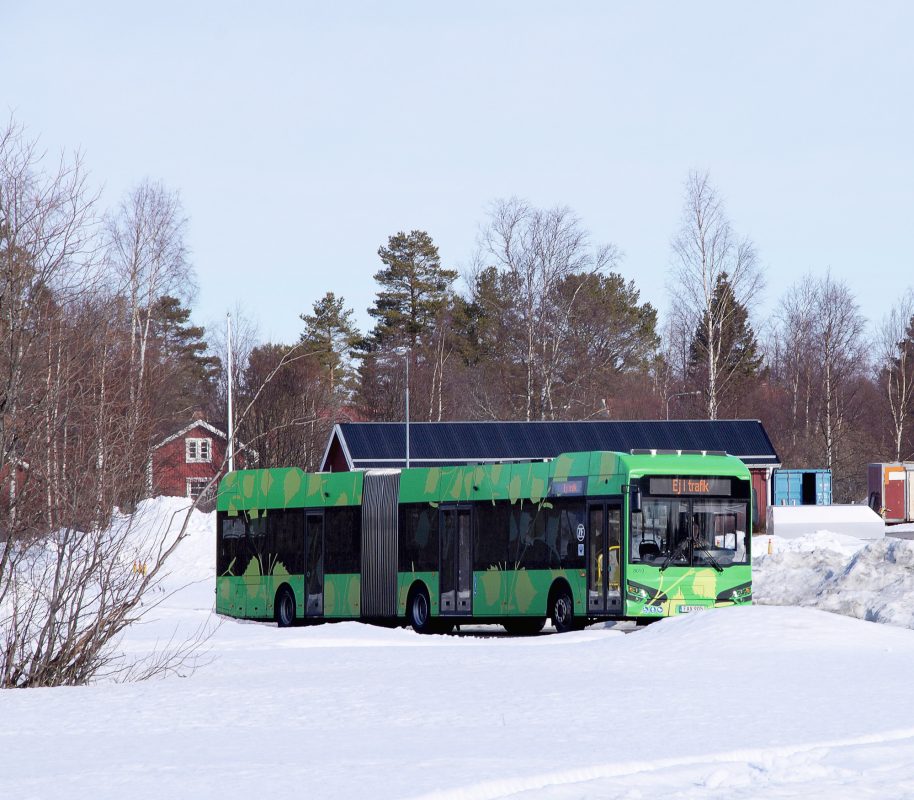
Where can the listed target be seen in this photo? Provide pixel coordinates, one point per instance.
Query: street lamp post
(677, 394)
(231, 420)
(407, 409)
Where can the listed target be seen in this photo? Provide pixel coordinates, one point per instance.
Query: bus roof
(570, 474)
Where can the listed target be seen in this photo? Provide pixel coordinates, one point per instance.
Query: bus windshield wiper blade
(676, 552)
(704, 548)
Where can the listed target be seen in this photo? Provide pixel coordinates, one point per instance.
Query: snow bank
(833, 572)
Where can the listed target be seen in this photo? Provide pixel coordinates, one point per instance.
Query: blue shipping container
(801, 487)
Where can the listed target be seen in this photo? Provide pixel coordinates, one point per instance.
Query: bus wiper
(704, 548)
(676, 552)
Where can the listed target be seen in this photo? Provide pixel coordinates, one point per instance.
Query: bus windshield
(695, 532)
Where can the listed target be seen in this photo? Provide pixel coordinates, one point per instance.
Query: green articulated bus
(579, 538)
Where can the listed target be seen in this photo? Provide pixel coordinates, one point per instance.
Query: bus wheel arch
(284, 606)
(561, 606)
(419, 608)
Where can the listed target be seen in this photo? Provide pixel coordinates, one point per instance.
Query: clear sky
(302, 135)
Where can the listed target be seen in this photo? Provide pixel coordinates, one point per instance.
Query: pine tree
(330, 336)
(414, 288)
(182, 354)
(411, 308)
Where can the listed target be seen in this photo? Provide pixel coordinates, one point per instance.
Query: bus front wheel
(420, 616)
(562, 611)
(285, 607)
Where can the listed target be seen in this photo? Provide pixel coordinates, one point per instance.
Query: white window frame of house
(191, 483)
(194, 449)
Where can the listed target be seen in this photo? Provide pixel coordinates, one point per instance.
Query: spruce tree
(732, 345)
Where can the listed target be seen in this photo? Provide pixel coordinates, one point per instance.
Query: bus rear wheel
(562, 611)
(284, 607)
(419, 611)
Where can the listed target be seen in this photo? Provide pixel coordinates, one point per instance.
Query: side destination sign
(691, 486)
(570, 487)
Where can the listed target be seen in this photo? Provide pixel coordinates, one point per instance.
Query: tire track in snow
(759, 758)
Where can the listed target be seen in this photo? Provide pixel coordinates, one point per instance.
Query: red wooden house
(184, 463)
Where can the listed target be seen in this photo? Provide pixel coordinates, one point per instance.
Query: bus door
(314, 563)
(604, 557)
(455, 576)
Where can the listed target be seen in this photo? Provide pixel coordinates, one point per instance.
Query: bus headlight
(738, 594)
(639, 593)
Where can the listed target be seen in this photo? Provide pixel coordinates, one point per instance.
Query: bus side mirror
(634, 499)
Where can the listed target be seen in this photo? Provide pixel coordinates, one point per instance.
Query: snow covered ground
(774, 700)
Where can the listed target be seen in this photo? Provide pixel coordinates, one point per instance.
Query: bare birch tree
(539, 249)
(245, 336)
(46, 239)
(148, 252)
(67, 455)
(793, 357)
(707, 254)
(895, 343)
(838, 332)
(821, 362)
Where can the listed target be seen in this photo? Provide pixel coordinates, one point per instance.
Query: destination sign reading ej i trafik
(691, 486)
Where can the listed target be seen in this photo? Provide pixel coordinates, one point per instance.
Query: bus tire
(284, 607)
(419, 611)
(561, 609)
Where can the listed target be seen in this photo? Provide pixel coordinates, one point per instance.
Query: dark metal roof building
(364, 445)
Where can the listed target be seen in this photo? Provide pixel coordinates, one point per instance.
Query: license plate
(689, 609)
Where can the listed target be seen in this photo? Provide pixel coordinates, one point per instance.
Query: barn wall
(336, 458)
(761, 478)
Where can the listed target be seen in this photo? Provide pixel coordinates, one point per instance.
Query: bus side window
(283, 539)
(490, 534)
(342, 540)
(418, 538)
(231, 530)
(571, 515)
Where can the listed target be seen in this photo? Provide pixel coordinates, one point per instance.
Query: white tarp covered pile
(791, 522)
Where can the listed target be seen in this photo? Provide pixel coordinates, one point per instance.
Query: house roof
(382, 444)
(197, 423)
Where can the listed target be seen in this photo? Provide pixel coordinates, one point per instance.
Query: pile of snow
(868, 580)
